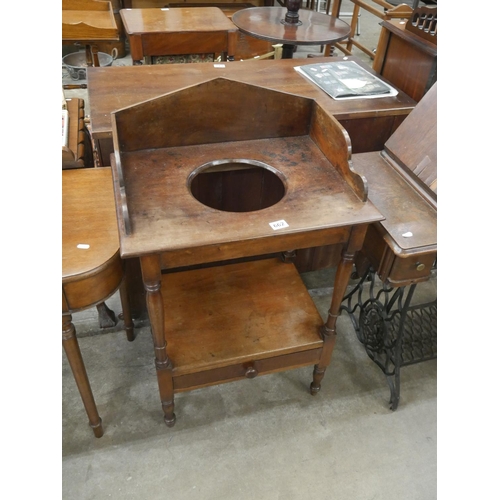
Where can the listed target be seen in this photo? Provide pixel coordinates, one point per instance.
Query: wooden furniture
(217, 315)
(247, 47)
(379, 8)
(142, 4)
(228, 8)
(120, 47)
(369, 122)
(88, 22)
(407, 52)
(278, 25)
(75, 153)
(92, 269)
(178, 31)
(401, 250)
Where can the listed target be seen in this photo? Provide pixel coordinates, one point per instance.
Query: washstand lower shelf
(238, 321)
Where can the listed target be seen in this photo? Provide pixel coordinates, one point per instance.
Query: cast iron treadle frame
(394, 332)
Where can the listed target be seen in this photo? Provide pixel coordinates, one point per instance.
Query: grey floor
(265, 438)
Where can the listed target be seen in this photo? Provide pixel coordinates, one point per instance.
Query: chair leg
(72, 349)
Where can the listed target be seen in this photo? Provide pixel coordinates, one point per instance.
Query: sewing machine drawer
(401, 271)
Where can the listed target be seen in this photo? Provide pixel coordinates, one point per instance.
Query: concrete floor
(264, 438)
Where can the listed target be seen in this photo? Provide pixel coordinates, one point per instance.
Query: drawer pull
(251, 372)
(420, 266)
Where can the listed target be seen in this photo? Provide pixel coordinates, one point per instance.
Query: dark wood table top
(315, 28)
(165, 20)
(117, 87)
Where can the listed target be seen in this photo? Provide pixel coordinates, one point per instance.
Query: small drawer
(244, 370)
(410, 269)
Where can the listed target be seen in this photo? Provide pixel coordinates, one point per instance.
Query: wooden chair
(379, 8)
(92, 270)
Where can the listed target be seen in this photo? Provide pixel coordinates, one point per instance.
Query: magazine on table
(346, 80)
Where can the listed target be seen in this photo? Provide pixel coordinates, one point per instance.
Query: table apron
(160, 44)
(261, 246)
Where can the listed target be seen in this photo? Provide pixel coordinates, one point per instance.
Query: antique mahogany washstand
(222, 303)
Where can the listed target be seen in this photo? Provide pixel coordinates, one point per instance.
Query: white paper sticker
(219, 65)
(409, 234)
(279, 224)
(83, 246)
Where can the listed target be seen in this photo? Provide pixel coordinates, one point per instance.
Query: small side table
(178, 31)
(312, 28)
(92, 269)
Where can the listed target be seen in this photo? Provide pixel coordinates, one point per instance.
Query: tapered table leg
(72, 349)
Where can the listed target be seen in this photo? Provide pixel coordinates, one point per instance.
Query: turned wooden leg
(72, 349)
(318, 374)
(328, 330)
(151, 273)
(126, 310)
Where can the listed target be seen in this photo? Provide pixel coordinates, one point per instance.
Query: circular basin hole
(237, 185)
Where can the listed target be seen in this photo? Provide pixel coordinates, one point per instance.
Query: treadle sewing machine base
(396, 326)
(394, 331)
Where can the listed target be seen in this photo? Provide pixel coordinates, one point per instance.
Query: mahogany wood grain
(88, 20)
(114, 87)
(180, 221)
(92, 269)
(414, 146)
(258, 322)
(315, 28)
(229, 8)
(142, 4)
(197, 30)
(407, 60)
(403, 185)
(218, 323)
(423, 22)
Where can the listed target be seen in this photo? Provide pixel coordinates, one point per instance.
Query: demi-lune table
(92, 269)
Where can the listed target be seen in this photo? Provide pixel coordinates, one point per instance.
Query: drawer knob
(251, 372)
(420, 266)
